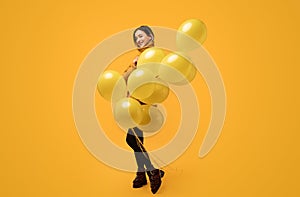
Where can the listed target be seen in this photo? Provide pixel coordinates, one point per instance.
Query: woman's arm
(131, 68)
(128, 71)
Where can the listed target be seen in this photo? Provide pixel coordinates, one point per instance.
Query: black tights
(141, 156)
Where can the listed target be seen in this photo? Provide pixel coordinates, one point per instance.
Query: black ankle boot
(155, 179)
(161, 173)
(140, 180)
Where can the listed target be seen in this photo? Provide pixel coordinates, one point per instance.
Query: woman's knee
(131, 141)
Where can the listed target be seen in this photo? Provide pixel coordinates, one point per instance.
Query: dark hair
(145, 29)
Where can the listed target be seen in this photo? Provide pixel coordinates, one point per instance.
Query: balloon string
(141, 146)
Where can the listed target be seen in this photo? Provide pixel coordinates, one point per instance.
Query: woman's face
(142, 39)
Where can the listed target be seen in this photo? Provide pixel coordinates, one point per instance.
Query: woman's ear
(151, 38)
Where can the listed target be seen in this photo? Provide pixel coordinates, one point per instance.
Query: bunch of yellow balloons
(134, 110)
(133, 103)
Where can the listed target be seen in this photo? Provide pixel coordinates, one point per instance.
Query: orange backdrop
(255, 45)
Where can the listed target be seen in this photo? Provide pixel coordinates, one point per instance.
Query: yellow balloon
(160, 93)
(143, 91)
(140, 83)
(128, 112)
(189, 77)
(191, 73)
(175, 68)
(189, 33)
(109, 80)
(151, 55)
(150, 59)
(119, 91)
(145, 115)
(157, 120)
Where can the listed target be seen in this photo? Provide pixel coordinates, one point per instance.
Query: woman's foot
(140, 180)
(155, 179)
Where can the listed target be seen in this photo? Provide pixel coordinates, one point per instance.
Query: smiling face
(142, 39)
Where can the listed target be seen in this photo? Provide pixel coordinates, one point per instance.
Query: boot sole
(139, 186)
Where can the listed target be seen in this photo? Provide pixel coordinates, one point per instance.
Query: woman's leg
(132, 142)
(140, 179)
(141, 156)
(135, 140)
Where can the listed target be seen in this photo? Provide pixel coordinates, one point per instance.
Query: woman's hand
(131, 68)
(135, 61)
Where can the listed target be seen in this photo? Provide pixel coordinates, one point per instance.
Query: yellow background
(255, 45)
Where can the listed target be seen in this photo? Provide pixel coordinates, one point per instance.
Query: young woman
(143, 38)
